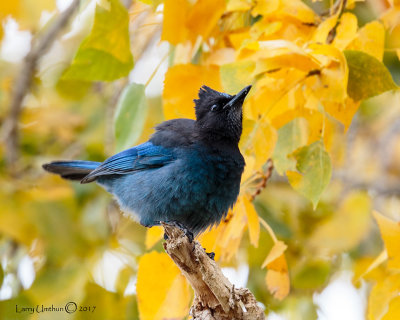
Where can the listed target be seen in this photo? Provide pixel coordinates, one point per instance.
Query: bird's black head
(219, 115)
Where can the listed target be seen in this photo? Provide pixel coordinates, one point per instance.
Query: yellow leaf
(394, 310)
(331, 84)
(391, 18)
(263, 7)
(321, 33)
(51, 194)
(252, 221)
(274, 95)
(298, 10)
(398, 53)
(238, 5)
(238, 38)
(249, 168)
(181, 86)
(175, 13)
(222, 240)
(265, 28)
(277, 250)
(184, 21)
(235, 76)
(346, 31)
(153, 235)
(210, 240)
(369, 269)
(370, 39)
(9, 8)
(346, 228)
(236, 224)
(232, 247)
(162, 291)
(201, 20)
(381, 294)
(342, 111)
(390, 231)
(277, 278)
(381, 258)
(264, 142)
(276, 54)
(294, 9)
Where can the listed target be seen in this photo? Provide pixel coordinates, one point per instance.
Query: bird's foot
(179, 225)
(211, 255)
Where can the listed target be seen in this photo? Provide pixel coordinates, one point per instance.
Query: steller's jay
(187, 174)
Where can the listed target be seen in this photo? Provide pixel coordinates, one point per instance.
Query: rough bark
(215, 297)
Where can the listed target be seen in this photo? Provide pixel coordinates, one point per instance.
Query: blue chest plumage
(196, 189)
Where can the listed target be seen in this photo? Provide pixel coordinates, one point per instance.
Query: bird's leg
(179, 225)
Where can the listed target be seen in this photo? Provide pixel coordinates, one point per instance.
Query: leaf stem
(156, 69)
(269, 229)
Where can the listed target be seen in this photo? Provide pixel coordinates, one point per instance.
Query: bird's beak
(238, 98)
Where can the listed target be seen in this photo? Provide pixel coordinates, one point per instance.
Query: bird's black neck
(218, 138)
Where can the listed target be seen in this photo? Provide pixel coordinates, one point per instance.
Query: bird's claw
(211, 255)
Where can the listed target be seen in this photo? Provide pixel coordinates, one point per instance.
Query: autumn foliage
(323, 108)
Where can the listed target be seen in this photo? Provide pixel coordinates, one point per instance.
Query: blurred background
(62, 241)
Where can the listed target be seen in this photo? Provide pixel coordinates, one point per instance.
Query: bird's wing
(141, 157)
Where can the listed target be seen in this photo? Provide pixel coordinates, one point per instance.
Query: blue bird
(188, 173)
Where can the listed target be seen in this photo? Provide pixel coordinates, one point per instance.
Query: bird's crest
(208, 97)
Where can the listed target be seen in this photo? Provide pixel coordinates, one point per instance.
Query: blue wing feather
(143, 156)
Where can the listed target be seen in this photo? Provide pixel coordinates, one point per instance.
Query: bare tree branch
(24, 80)
(215, 297)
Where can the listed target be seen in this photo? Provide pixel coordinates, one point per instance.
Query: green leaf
(290, 137)
(235, 76)
(123, 278)
(368, 76)
(1, 276)
(312, 275)
(314, 171)
(130, 115)
(106, 305)
(71, 278)
(73, 89)
(105, 54)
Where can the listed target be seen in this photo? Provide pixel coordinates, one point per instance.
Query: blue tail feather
(72, 170)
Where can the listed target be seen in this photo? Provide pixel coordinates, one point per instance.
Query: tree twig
(215, 297)
(24, 80)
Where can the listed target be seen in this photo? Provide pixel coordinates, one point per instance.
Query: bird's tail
(71, 170)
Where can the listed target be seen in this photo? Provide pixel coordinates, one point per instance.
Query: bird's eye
(214, 108)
